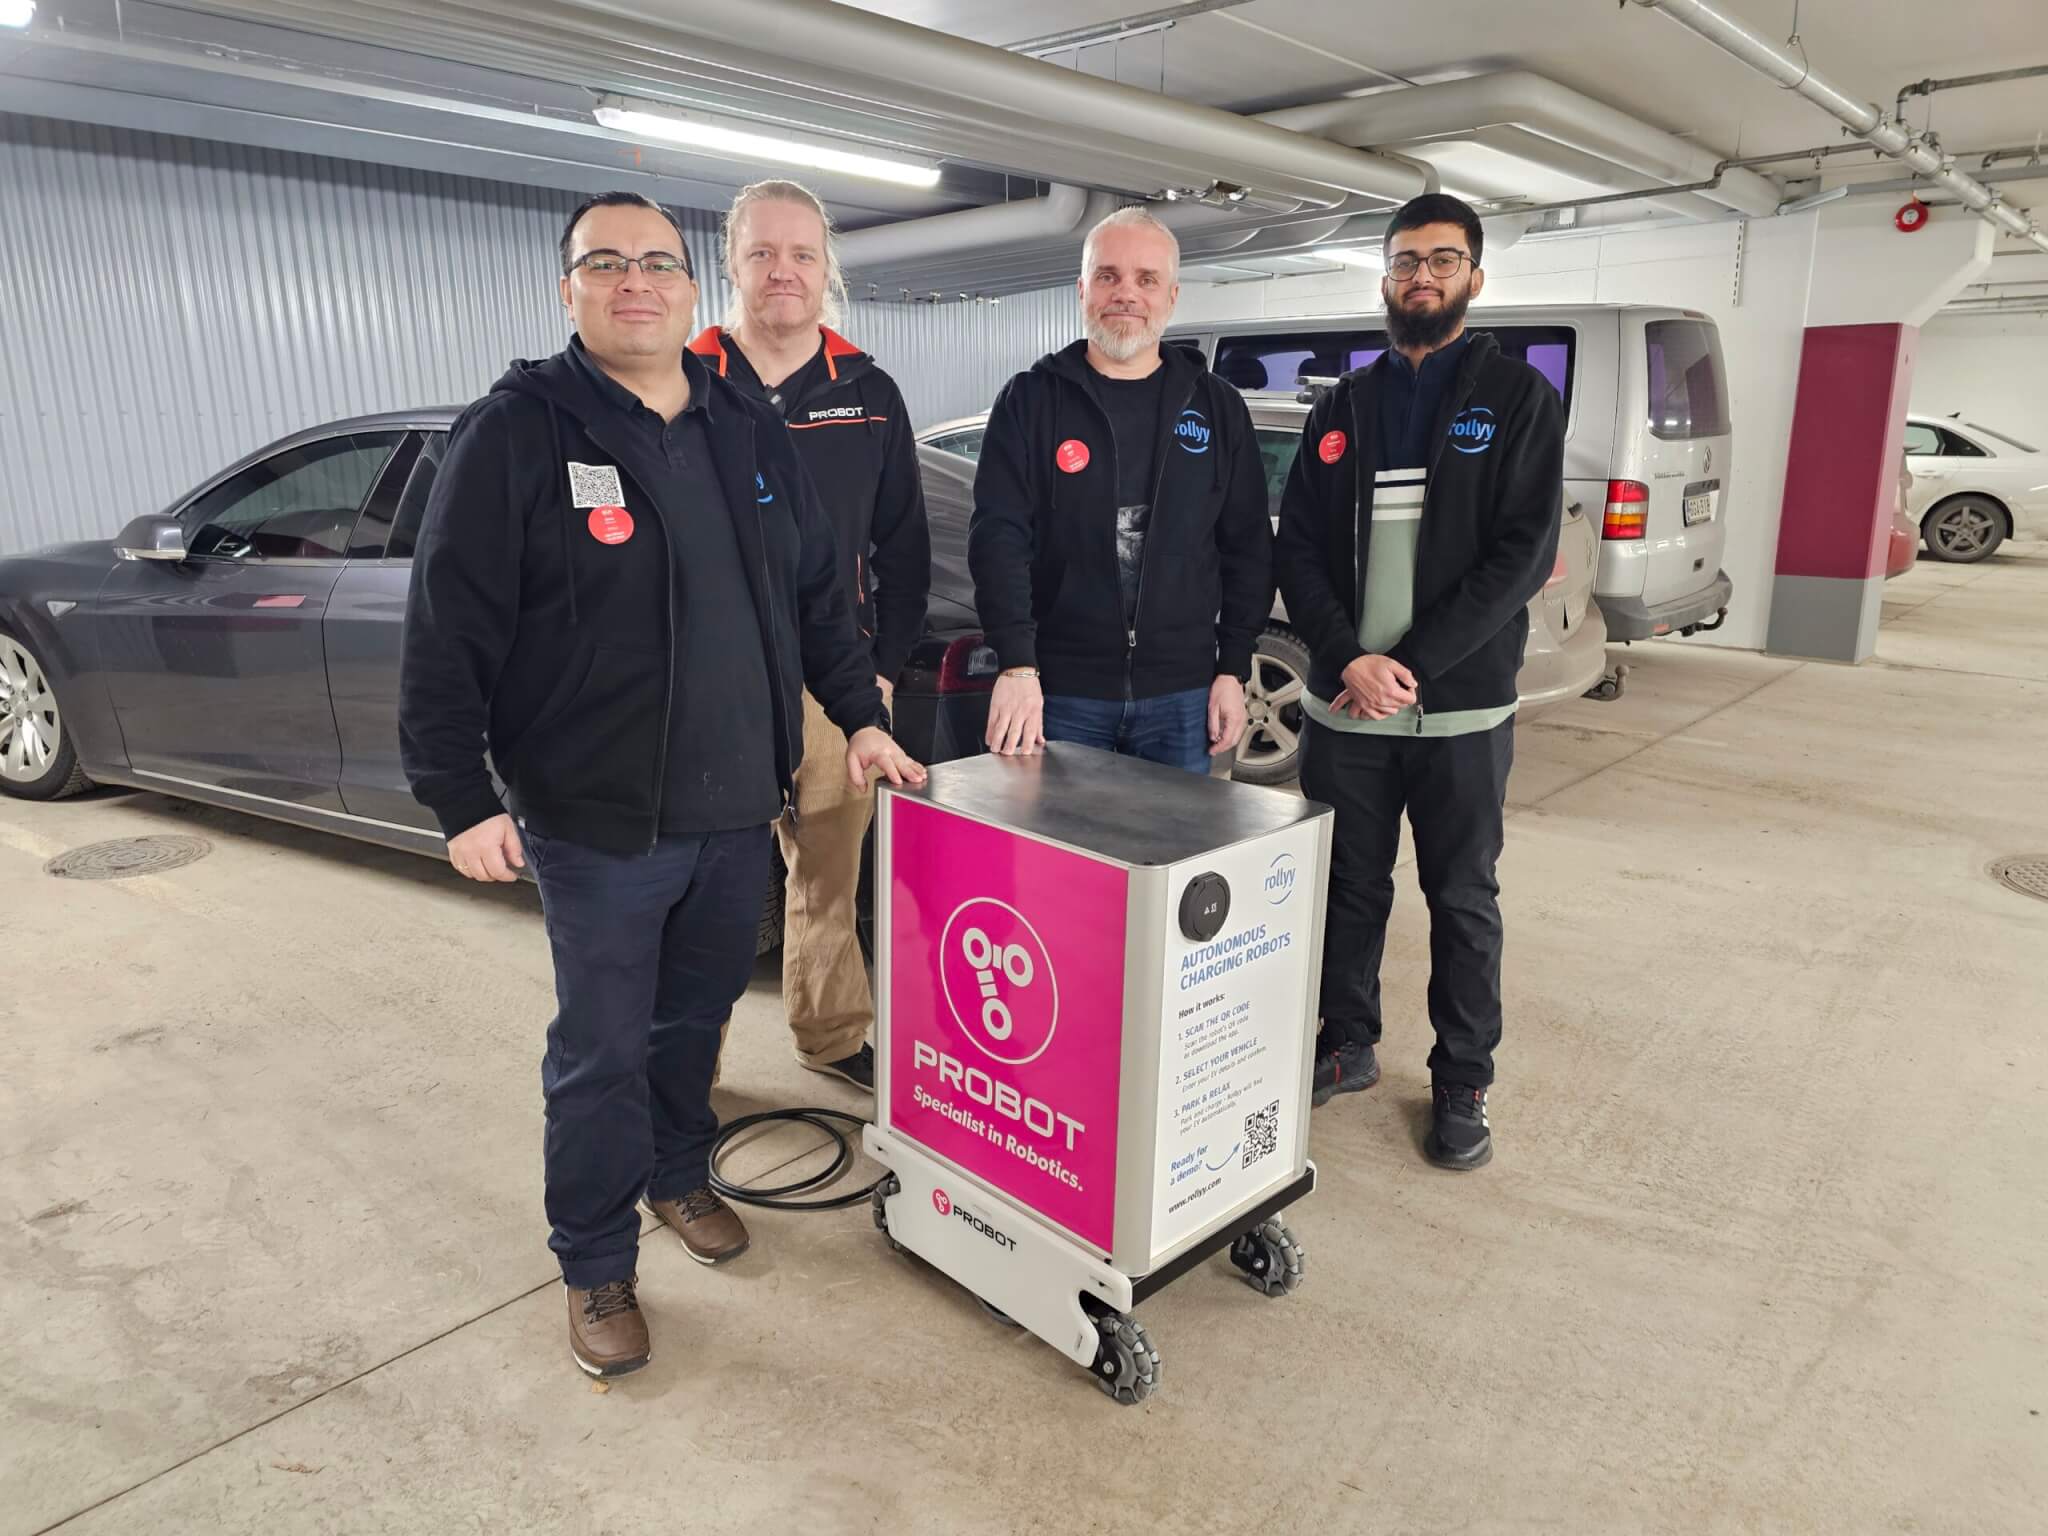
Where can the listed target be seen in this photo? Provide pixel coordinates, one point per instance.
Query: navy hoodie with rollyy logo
(542, 617)
(1042, 542)
(853, 432)
(1485, 543)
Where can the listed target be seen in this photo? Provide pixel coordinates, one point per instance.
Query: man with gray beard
(1120, 546)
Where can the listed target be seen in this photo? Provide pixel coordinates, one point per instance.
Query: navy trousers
(1172, 728)
(651, 951)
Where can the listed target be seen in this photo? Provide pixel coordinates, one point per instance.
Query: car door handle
(282, 600)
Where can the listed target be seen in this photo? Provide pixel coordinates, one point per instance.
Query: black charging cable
(781, 1197)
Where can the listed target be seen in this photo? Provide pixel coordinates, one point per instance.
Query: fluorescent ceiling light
(698, 132)
(17, 13)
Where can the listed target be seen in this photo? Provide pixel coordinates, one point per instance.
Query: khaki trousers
(824, 979)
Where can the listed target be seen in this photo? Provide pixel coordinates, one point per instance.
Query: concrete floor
(1762, 1248)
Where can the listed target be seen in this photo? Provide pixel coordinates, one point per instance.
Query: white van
(1647, 446)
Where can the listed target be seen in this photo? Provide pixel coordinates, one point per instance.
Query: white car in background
(1973, 488)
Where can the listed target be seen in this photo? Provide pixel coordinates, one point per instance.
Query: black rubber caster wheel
(1126, 1361)
(1269, 1258)
(878, 1203)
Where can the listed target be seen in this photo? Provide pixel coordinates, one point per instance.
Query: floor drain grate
(127, 857)
(2026, 873)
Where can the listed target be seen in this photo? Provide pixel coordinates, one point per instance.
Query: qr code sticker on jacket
(595, 485)
(1261, 1133)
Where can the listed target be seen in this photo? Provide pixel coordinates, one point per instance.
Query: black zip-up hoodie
(1041, 543)
(853, 431)
(1488, 539)
(528, 633)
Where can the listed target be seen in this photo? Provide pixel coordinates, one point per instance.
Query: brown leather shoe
(711, 1230)
(607, 1331)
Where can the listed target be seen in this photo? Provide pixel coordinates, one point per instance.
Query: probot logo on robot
(969, 1219)
(999, 981)
(1280, 878)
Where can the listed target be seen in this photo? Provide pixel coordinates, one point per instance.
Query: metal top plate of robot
(1116, 808)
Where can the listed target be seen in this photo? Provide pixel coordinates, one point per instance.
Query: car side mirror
(152, 537)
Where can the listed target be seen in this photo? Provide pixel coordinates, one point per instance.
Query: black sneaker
(1459, 1137)
(1350, 1068)
(857, 1069)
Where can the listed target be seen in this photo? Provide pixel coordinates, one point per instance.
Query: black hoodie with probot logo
(542, 620)
(1042, 543)
(853, 431)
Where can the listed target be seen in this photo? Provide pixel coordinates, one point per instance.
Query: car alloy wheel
(1965, 530)
(1270, 752)
(31, 728)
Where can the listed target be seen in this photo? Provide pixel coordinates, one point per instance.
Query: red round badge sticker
(611, 525)
(1331, 449)
(1072, 456)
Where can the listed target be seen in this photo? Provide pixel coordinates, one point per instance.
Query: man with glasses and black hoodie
(1120, 544)
(1419, 519)
(622, 588)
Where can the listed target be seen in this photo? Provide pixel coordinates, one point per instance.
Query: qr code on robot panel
(1261, 1133)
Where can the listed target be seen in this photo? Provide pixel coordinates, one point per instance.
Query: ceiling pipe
(927, 67)
(1062, 212)
(1862, 118)
(1958, 82)
(1520, 98)
(1895, 184)
(911, 88)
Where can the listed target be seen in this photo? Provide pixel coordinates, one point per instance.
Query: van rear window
(1280, 360)
(1688, 385)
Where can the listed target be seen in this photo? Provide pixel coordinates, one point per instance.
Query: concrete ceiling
(483, 109)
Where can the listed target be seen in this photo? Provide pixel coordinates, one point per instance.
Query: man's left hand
(1226, 715)
(872, 749)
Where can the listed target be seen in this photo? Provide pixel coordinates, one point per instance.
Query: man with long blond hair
(853, 433)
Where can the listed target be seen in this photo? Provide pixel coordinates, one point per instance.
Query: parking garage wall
(169, 304)
(950, 358)
(1990, 368)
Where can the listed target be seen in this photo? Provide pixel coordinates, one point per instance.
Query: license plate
(1699, 509)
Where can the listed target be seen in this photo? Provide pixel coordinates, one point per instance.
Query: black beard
(1425, 328)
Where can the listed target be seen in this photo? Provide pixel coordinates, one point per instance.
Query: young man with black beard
(1419, 520)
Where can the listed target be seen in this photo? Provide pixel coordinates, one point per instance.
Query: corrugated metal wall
(950, 359)
(168, 304)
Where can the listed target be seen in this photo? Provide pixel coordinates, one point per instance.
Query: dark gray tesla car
(241, 647)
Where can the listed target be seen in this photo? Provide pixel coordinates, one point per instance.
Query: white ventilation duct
(1520, 98)
(1063, 213)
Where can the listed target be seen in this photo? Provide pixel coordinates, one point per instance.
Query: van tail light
(970, 665)
(1628, 510)
(1558, 572)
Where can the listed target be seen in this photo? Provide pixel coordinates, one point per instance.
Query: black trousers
(1453, 789)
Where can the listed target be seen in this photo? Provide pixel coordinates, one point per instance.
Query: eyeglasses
(658, 267)
(1443, 263)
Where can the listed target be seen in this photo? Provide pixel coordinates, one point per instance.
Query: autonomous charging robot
(1095, 1012)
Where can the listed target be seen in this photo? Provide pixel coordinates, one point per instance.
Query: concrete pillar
(1873, 285)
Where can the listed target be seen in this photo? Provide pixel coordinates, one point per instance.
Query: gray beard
(1407, 328)
(1122, 346)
